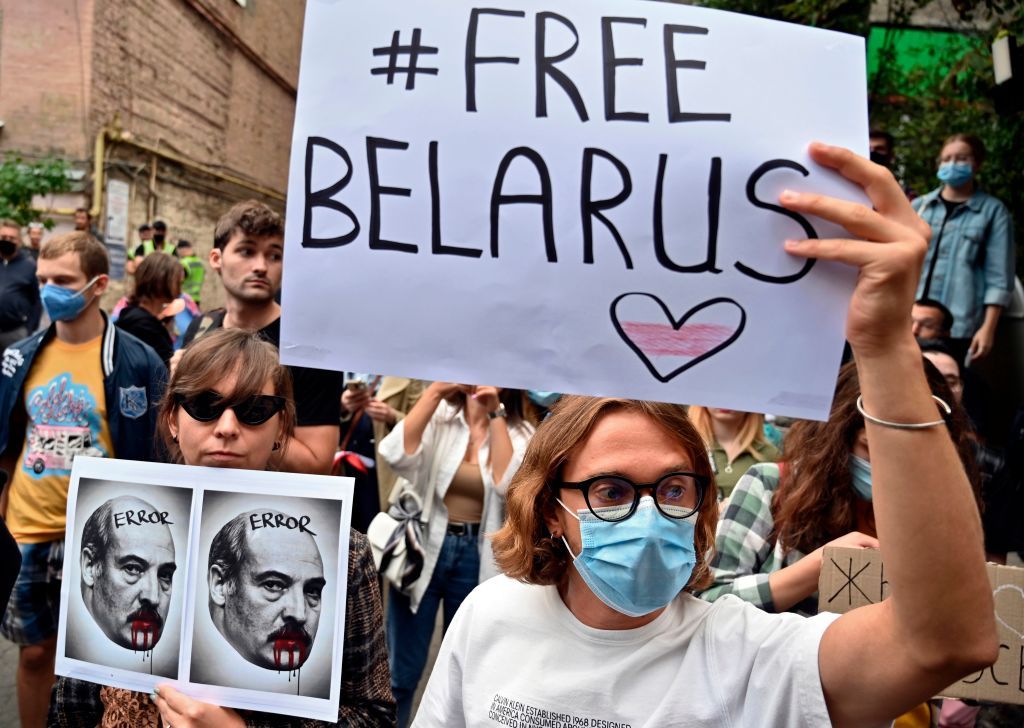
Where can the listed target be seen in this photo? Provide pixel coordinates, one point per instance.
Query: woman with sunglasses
(611, 521)
(229, 405)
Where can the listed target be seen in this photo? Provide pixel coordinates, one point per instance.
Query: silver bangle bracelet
(902, 425)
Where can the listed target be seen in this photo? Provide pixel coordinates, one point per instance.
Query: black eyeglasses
(613, 498)
(208, 406)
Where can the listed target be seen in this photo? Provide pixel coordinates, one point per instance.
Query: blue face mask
(635, 566)
(63, 304)
(543, 399)
(955, 174)
(860, 469)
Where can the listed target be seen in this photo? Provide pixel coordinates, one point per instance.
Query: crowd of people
(635, 562)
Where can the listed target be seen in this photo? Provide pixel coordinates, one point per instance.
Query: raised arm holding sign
(613, 512)
(938, 625)
(596, 190)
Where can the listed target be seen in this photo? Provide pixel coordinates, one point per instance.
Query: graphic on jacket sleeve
(62, 423)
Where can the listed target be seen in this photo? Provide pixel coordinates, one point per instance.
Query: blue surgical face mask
(860, 469)
(543, 399)
(955, 174)
(63, 304)
(635, 566)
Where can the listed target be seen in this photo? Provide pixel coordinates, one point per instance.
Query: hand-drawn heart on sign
(666, 344)
(1009, 608)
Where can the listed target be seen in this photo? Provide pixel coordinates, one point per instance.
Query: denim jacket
(970, 260)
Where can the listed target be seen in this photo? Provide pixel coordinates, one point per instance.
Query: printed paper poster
(207, 578)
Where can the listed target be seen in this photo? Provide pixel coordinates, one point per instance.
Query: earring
(175, 439)
(277, 446)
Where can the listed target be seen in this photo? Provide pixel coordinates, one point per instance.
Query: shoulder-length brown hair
(751, 431)
(205, 364)
(523, 548)
(157, 278)
(815, 502)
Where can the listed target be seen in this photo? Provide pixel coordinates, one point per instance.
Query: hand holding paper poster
(218, 584)
(573, 197)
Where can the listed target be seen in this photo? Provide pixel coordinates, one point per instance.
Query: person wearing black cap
(151, 239)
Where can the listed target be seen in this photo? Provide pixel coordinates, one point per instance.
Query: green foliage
(20, 181)
(942, 104)
(848, 16)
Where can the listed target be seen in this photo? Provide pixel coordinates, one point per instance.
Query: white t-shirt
(515, 656)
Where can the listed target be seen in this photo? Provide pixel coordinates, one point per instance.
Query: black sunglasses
(208, 406)
(614, 498)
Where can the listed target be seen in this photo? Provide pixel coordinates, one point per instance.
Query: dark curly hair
(815, 502)
(252, 218)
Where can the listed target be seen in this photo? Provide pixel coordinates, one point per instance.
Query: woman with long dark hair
(769, 544)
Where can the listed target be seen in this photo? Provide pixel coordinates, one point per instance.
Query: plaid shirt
(366, 699)
(745, 551)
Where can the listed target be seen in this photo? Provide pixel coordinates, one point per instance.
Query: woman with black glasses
(611, 522)
(229, 405)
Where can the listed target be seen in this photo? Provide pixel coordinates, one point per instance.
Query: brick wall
(173, 80)
(178, 82)
(45, 71)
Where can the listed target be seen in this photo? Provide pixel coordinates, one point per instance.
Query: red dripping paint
(296, 651)
(144, 634)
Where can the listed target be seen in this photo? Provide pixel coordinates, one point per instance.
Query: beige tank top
(465, 496)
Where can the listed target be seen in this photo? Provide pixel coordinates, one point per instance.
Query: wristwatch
(500, 412)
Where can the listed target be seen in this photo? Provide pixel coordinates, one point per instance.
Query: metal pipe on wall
(120, 137)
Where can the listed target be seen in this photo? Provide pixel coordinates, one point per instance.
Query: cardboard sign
(153, 588)
(571, 197)
(852, 578)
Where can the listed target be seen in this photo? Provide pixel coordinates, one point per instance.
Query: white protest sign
(566, 196)
(174, 610)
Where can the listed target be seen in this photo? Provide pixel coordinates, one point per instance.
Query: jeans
(455, 575)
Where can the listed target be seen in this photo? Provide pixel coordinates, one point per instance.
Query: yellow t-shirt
(67, 416)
